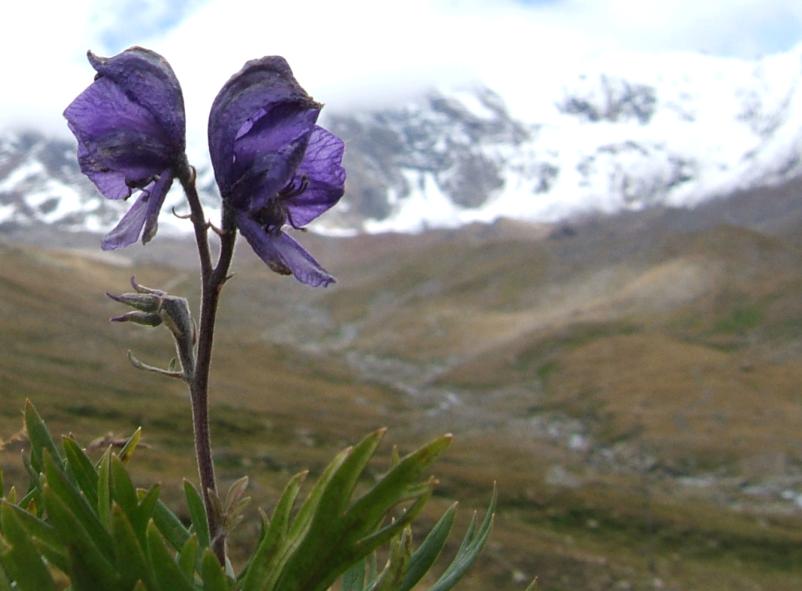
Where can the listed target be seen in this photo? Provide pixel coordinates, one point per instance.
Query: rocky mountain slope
(631, 382)
(623, 133)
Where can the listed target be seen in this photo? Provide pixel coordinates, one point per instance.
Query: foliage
(84, 520)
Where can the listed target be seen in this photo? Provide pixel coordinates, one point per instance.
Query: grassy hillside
(634, 388)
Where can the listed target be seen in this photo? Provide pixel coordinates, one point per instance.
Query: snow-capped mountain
(622, 132)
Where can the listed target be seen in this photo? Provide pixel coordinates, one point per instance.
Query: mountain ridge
(628, 133)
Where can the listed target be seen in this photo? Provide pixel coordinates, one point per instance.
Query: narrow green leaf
(354, 577)
(5, 585)
(469, 550)
(309, 506)
(39, 436)
(397, 563)
(373, 568)
(197, 512)
(425, 556)
(19, 556)
(130, 445)
(2, 485)
(81, 576)
(170, 526)
(44, 536)
(382, 536)
(145, 508)
(168, 575)
(81, 469)
(90, 555)
(309, 560)
(104, 489)
(131, 562)
(214, 579)
(188, 557)
(273, 537)
(122, 488)
(300, 525)
(76, 505)
(400, 483)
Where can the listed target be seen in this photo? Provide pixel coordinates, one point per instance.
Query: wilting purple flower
(130, 128)
(273, 164)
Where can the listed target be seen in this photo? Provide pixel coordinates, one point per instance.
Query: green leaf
(397, 563)
(317, 558)
(131, 562)
(5, 585)
(90, 557)
(303, 519)
(19, 556)
(81, 576)
(214, 579)
(425, 556)
(168, 574)
(354, 577)
(39, 437)
(188, 557)
(144, 510)
(76, 505)
(333, 541)
(122, 488)
(170, 526)
(130, 445)
(370, 543)
(273, 537)
(400, 483)
(309, 506)
(197, 512)
(469, 550)
(81, 469)
(104, 489)
(44, 536)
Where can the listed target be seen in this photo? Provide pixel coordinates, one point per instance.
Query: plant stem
(212, 281)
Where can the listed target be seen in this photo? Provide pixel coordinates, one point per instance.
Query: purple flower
(130, 128)
(273, 164)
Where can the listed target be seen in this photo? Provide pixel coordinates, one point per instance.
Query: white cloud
(362, 52)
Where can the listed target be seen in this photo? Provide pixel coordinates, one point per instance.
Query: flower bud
(137, 317)
(140, 301)
(176, 315)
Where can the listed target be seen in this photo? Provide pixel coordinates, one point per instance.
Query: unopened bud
(176, 315)
(140, 301)
(137, 317)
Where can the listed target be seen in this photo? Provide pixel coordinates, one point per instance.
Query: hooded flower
(273, 164)
(130, 128)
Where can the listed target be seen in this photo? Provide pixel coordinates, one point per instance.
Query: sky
(359, 53)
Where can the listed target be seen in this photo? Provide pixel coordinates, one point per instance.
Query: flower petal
(155, 202)
(265, 158)
(262, 94)
(325, 175)
(149, 81)
(283, 254)
(120, 144)
(143, 213)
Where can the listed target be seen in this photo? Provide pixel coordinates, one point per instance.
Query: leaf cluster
(84, 522)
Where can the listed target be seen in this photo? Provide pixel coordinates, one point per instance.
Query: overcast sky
(359, 52)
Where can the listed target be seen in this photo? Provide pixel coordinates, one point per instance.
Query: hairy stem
(212, 280)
